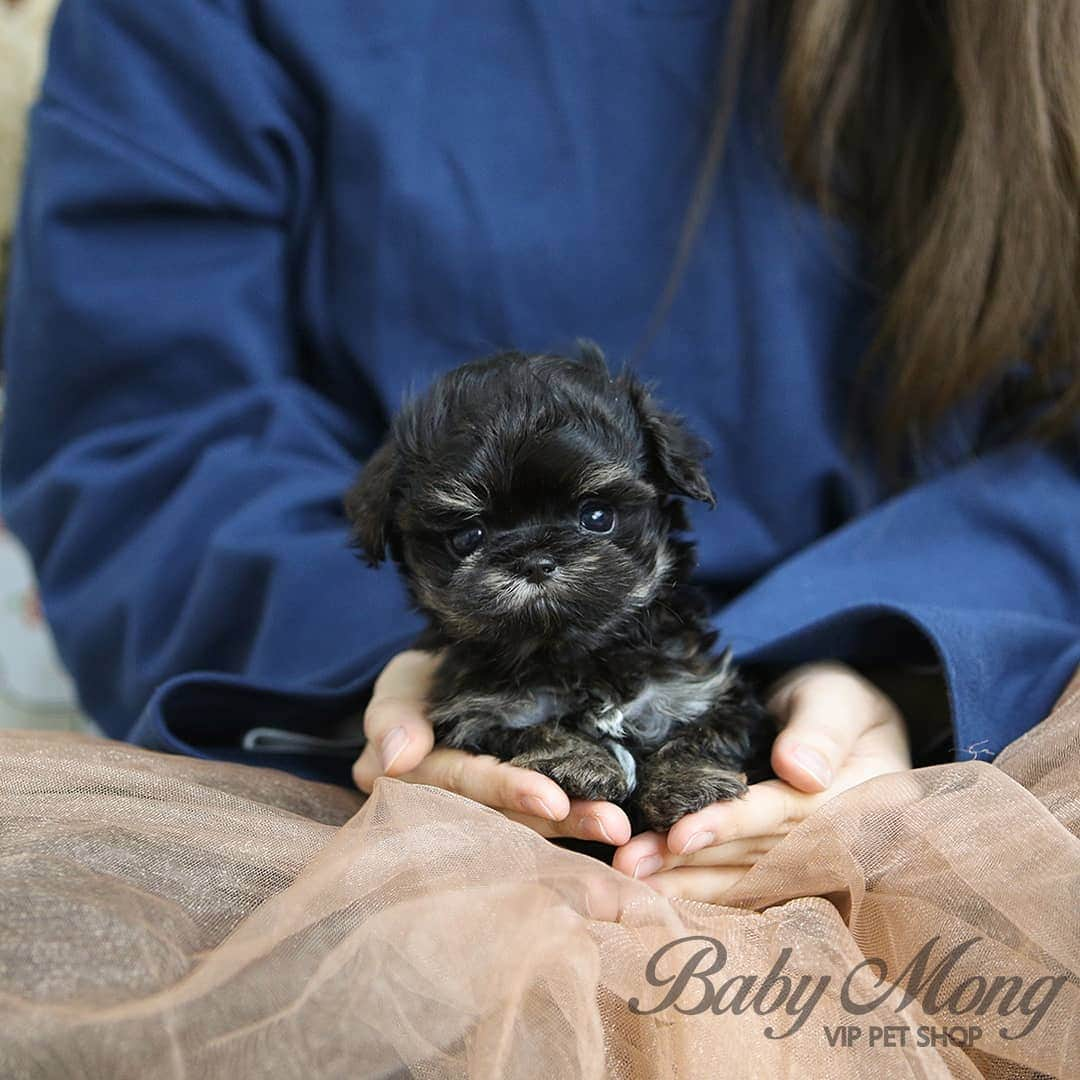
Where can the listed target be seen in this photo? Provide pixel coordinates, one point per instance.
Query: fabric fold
(170, 917)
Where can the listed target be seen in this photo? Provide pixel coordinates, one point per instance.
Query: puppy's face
(528, 500)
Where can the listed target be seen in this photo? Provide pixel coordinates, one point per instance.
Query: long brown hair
(948, 131)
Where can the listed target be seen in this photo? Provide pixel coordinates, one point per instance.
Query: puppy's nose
(537, 567)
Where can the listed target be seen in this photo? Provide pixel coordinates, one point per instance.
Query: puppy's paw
(582, 775)
(672, 788)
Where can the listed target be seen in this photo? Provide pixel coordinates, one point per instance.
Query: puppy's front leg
(582, 767)
(517, 732)
(707, 761)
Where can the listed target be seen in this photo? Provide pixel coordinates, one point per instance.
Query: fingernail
(649, 865)
(533, 804)
(697, 842)
(814, 763)
(598, 825)
(393, 742)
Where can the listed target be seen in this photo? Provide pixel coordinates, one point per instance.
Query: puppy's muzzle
(536, 567)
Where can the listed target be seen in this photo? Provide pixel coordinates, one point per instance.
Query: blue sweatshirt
(251, 226)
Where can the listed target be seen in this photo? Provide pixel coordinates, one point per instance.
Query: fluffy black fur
(569, 648)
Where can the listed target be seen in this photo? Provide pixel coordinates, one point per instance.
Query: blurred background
(35, 691)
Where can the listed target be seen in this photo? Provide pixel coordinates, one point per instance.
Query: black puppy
(532, 503)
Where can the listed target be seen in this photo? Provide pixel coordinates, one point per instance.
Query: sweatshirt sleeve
(168, 459)
(977, 569)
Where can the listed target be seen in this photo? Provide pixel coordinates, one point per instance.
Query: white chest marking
(610, 722)
(663, 704)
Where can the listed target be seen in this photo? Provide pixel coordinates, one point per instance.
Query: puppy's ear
(678, 455)
(591, 356)
(369, 503)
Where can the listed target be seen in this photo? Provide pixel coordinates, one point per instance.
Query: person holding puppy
(842, 239)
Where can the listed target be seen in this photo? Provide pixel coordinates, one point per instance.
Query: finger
(487, 780)
(707, 884)
(607, 896)
(641, 851)
(408, 675)
(603, 822)
(771, 808)
(399, 737)
(882, 749)
(641, 861)
(366, 769)
(824, 709)
(396, 725)
(744, 851)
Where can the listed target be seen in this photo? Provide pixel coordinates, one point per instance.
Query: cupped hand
(837, 730)
(401, 743)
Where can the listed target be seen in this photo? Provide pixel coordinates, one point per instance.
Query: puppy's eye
(596, 516)
(466, 541)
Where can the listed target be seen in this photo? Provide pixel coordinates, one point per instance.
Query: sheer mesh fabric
(161, 916)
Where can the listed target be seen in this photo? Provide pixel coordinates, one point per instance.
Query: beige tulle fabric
(175, 918)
